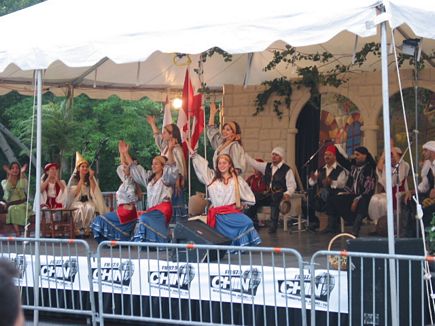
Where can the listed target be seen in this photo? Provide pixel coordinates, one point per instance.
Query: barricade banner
(254, 285)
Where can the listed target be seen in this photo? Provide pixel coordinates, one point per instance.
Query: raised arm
(156, 132)
(259, 166)
(200, 165)
(123, 148)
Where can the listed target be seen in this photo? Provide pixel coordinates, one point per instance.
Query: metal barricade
(189, 284)
(363, 283)
(64, 283)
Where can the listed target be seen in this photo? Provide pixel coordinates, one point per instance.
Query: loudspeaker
(197, 232)
(369, 283)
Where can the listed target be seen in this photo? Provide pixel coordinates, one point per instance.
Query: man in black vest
(352, 204)
(324, 183)
(281, 184)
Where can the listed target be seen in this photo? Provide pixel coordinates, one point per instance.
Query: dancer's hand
(151, 120)
(123, 147)
(6, 169)
(407, 197)
(189, 147)
(354, 206)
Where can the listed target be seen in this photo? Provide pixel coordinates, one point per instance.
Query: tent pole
(389, 187)
(37, 201)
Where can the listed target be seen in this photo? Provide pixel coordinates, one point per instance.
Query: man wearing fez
(324, 183)
(279, 178)
(352, 204)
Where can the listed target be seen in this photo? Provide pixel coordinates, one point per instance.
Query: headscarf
(236, 137)
(279, 150)
(363, 150)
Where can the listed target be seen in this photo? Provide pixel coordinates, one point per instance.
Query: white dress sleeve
(246, 194)
(170, 174)
(139, 174)
(97, 198)
(120, 172)
(180, 160)
(159, 142)
(203, 172)
(237, 154)
(290, 182)
(214, 136)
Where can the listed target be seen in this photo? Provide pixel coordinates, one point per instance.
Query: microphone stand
(307, 185)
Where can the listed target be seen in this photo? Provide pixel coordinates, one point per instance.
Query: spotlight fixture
(411, 47)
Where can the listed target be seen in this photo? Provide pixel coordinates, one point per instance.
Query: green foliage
(278, 86)
(309, 76)
(8, 6)
(227, 57)
(89, 126)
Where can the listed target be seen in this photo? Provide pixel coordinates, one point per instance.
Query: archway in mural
(307, 138)
(425, 118)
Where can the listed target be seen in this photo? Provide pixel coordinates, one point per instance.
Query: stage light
(410, 47)
(177, 103)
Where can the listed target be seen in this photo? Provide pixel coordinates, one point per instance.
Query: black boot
(357, 225)
(332, 225)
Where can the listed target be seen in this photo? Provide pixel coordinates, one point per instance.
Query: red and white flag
(198, 120)
(167, 115)
(191, 109)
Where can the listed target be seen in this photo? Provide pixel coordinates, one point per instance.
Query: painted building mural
(340, 122)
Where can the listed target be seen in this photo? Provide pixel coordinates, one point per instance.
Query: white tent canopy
(128, 47)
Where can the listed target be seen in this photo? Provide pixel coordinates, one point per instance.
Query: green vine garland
(309, 77)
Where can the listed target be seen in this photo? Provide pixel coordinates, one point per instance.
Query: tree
(8, 6)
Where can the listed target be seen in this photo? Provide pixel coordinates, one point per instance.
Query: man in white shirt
(281, 184)
(426, 190)
(325, 182)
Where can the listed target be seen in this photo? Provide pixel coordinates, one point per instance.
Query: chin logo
(176, 277)
(323, 285)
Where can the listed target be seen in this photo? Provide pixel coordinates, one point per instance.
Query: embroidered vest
(278, 179)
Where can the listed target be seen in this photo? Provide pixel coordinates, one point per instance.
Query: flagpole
(221, 109)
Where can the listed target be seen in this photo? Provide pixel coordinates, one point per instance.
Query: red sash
(213, 211)
(126, 215)
(164, 207)
(51, 203)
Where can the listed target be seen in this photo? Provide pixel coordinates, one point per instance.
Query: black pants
(314, 205)
(410, 210)
(341, 207)
(266, 199)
